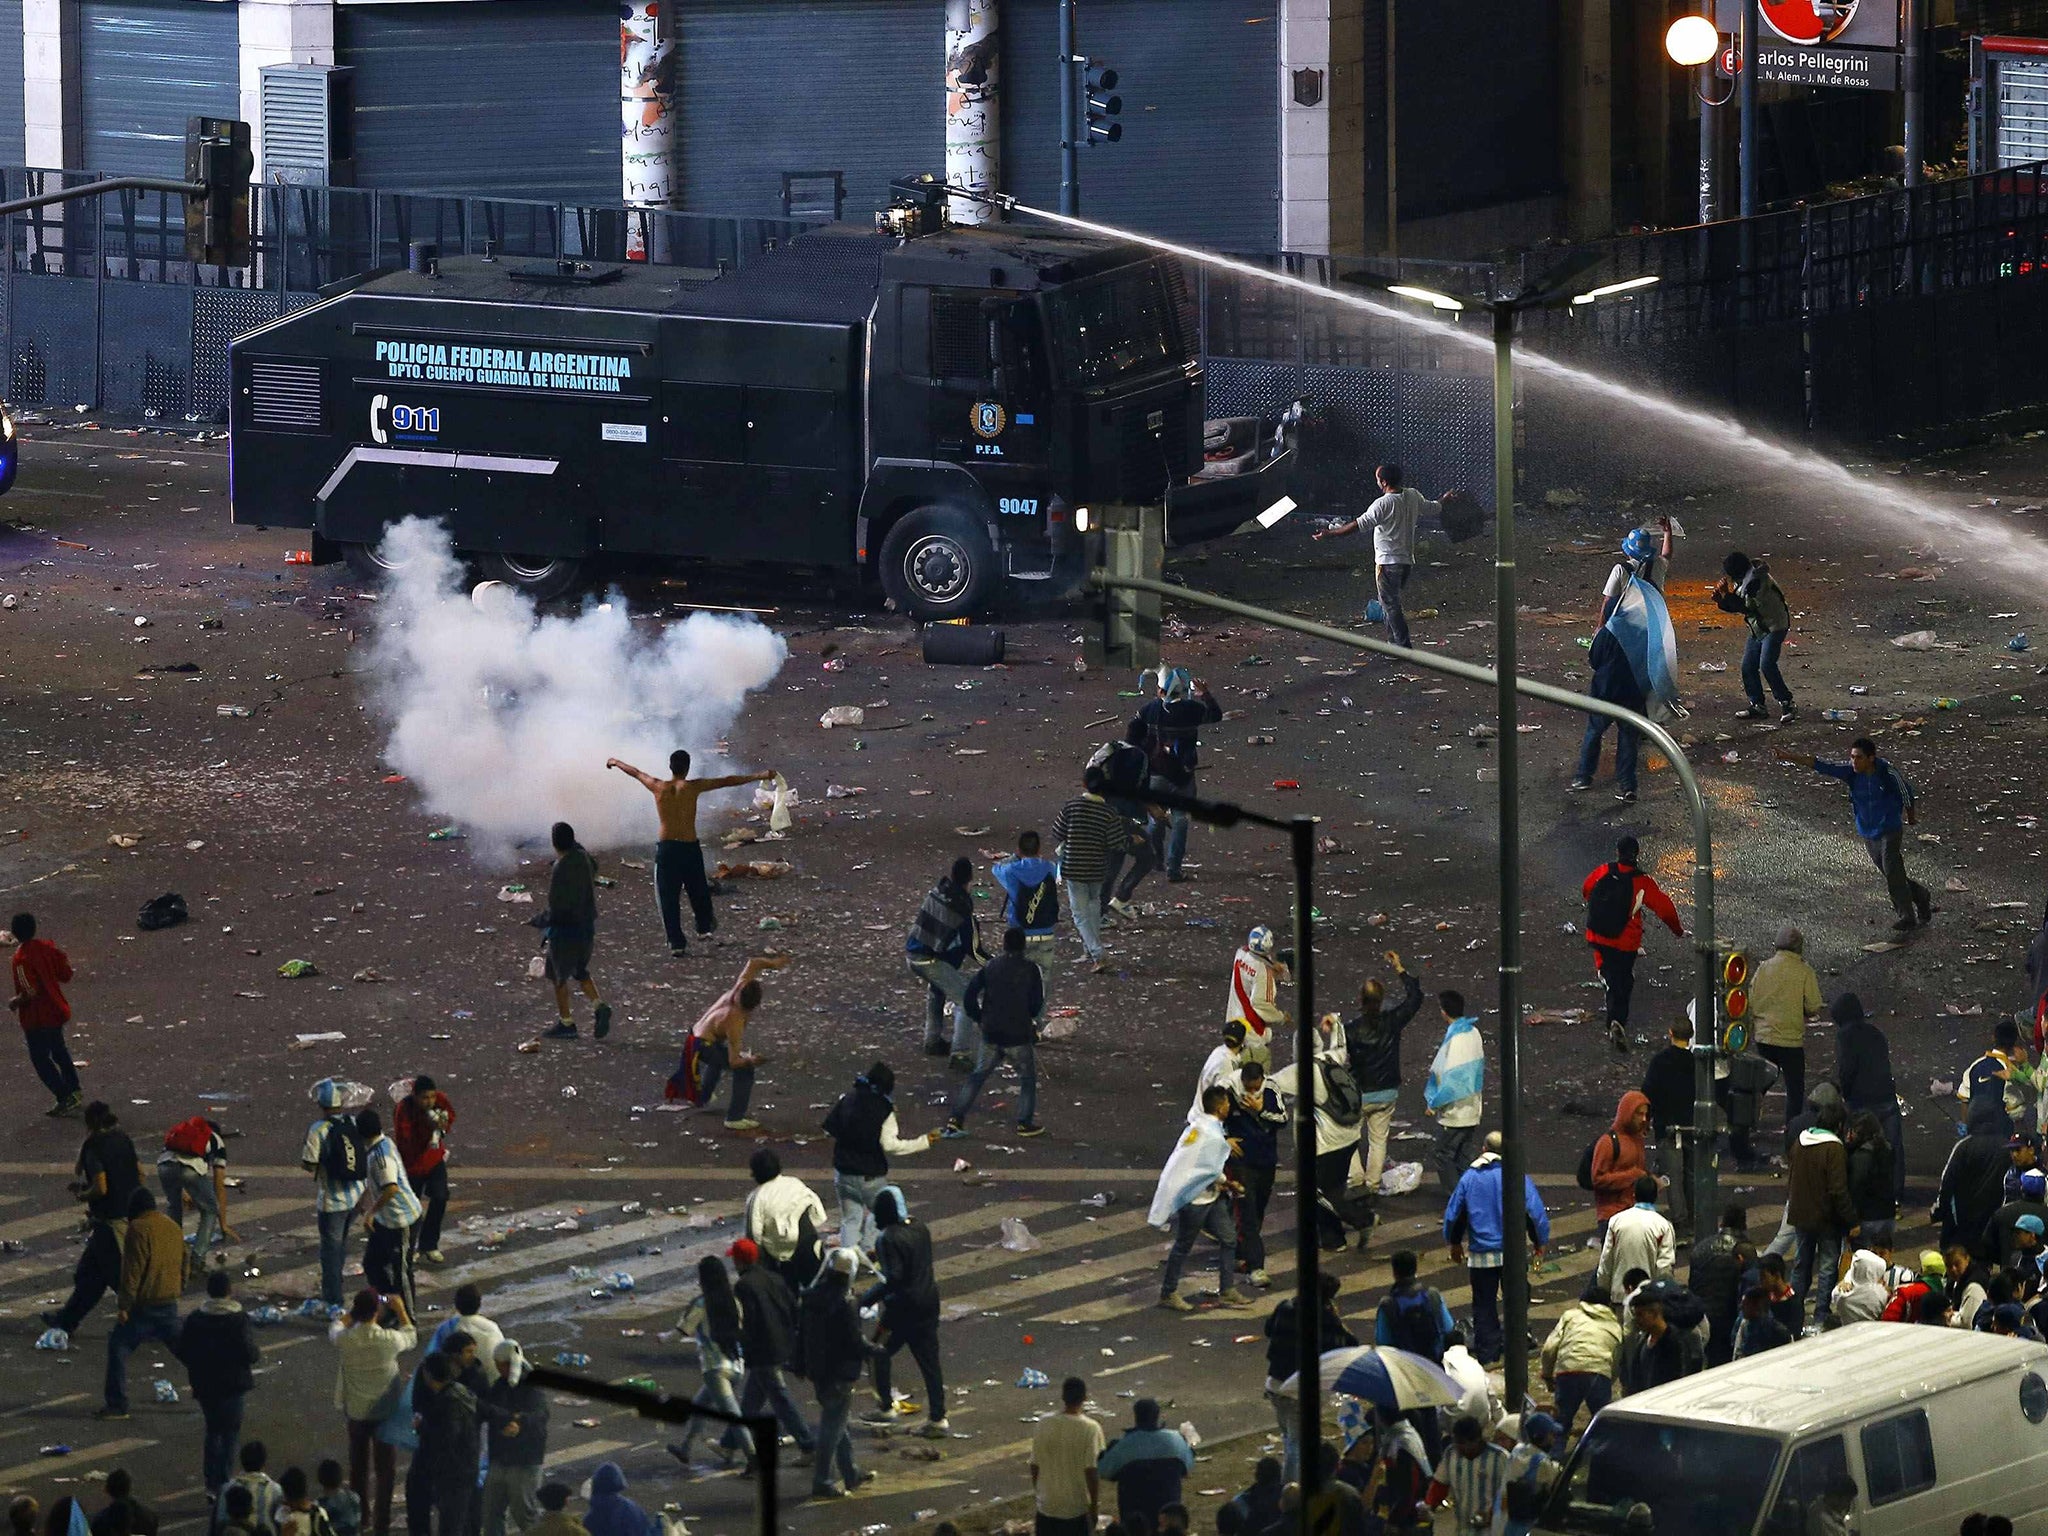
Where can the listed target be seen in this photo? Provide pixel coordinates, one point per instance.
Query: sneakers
(110, 1412)
(952, 1130)
(603, 1021)
(1173, 1301)
(562, 1031)
(1617, 1035)
(434, 1256)
(71, 1104)
(936, 1429)
(828, 1491)
(1030, 1128)
(1122, 908)
(1625, 797)
(678, 952)
(1579, 786)
(1787, 714)
(743, 1124)
(1754, 712)
(879, 1415)
(1906, 923)
(1261, 1279)
(1233, 1298)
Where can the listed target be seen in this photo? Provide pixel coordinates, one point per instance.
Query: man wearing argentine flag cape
(1193, 1197)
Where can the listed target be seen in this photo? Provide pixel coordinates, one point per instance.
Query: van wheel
(538, 576)
(937, 563)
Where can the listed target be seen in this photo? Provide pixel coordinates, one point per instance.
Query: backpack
(190, 1138)
(1613, 902)
(1342, 1100)
(1412, 1320)
(342, 1155)
(1038, 906)
(1586, 1157)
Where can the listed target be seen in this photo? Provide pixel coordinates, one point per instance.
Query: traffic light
(1735, 1002)
(1103, 108)
(218, 162)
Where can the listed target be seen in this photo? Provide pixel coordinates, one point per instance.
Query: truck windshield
(1696, 1482)
(1112, 328)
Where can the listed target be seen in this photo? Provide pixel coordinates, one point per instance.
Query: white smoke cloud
(502, 717)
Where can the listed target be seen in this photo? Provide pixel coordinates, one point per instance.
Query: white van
(1931, 1424)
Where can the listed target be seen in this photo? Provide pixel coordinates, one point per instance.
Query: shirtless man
(716, 1044)
(678, 860)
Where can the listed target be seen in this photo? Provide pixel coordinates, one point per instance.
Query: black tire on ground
(937, 564)
(364, 561)
(539, 576)
(957, 645)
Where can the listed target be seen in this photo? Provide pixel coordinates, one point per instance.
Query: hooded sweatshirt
(219, 1349)
(1861, 1296)
(1618, 1160)
(611, 1513)
(514, 1397)
(1817, 1185)
(1587, 1338)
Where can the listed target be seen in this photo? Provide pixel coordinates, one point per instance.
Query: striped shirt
(1089, 830)
(388, 1168)
(1475, 1483)
(328, 1196)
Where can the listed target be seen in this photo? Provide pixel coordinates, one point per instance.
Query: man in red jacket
(1615, 896)
(40, 971)
(419, 1126)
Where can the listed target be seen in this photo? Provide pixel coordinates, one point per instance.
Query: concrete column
(52, 101)
(278, 32)
(1586, 103)
(974, 77)
(1322, 126)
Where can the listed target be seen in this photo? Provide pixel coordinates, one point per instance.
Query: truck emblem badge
(988, 418)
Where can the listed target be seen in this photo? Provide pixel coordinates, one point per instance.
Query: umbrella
(1394, 1379)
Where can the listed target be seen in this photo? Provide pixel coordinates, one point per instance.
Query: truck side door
(703, 471)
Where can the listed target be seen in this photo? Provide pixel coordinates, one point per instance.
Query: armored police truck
(935, 407)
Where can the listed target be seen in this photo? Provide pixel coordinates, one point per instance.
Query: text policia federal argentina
(588, 372)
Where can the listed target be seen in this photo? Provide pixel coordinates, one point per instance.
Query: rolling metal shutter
(517, 98)
(13, 150)
(1200, 79)
(767, 86)
(146, 66)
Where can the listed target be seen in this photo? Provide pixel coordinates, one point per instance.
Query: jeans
(1041, 950)
(922, 1340)
(1904, 890)
(1626, 740)
(51, 1058)
(1251, 1214)
(334, 1227)
(151, 1320)
(1617, 968)
(509, 1498)
(181, 1184)
(1673, 1159)
(1026, 1057)
(432, 1189)
(1084, 905)
(1388, 580)
(1760, 665)
(1287, 1414)
(1177, 831)
(857, 1194)
(387, 1261)
(945, 982)
(679, 867)
(1575, 1389)
(767, 1387)
(1816, 1262)
(1453, 1154)
(98, 1271)
(220, 1441)
(1791, 1061)
(1216, 1219)
(1137, 852)
(717, 1393)
(1377, 1126)
(1487, 1336)
(366, 1453)
(717, 1061)
(835, 1407)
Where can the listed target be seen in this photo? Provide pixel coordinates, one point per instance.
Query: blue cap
(1638, 545)
(2032, 1224)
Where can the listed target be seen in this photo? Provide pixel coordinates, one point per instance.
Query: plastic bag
(53, 1338)
(779, 819)
(537, 968)
(1017, 1237)
(1401, 1179)
(1918, 640)
(842, 714)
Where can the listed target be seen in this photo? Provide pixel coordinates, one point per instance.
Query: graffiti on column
(973, 109)
(646, 114)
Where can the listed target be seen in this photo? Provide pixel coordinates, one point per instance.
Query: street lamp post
(1691, 42)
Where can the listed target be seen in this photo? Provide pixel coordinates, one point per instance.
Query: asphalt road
(279, 829)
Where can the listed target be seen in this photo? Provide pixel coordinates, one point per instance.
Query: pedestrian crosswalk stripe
(11, 1478)
(48, 1266)
(1078, 1235)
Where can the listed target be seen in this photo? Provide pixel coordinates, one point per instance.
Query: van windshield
(1697, 1482)
(1111, 328)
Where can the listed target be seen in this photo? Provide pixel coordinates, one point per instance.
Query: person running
(193, 1166)
(107, 1177)
(1256, 972)
(1615, 895)
(1883, 804)
(767, 1337)
(1089, 834)
(1126, 776)
(420, 1125)
(865, 1136)
(1173, 724)
(1031, 901)
(1784, 997)
(334, 1154)
(1476, 1233)
(716, 1045)
(570, 924)
(1004, 998)
(941, 940)
(1193, 1197)
(1455, 1093)
(1746, 587)
(713, 1319)
(678, 857)
(1392, 518)
(40, 971)
(394, 1210)
(1372, 1046)
(1645, 557)
(908, 1295)
(217, 1345)
(154, 1266)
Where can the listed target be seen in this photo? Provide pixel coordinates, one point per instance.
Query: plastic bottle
(1948, 703)
(1844, 716)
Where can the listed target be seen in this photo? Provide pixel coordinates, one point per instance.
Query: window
(1697, 1482)
(1113, 328)
(959, 337)
(1807, 1476)
(1898, 1458)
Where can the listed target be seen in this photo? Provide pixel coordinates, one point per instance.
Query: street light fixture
(1692, 41)
(1426, 296)
(1607, 290)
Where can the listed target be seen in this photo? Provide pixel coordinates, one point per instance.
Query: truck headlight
(1081, 517)
(6, 427)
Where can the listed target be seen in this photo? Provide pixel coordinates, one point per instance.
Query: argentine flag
(1197, 1162)
(1642, 624)
(1459, 1070)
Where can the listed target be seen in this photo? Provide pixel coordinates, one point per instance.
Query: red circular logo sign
(1809, 21)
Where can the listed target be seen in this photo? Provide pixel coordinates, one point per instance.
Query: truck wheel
(539, 577)
(937, 563)
(369, 566)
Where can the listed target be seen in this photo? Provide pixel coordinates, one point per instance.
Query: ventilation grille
(1181, 292)
(959, 337)
(285, 397)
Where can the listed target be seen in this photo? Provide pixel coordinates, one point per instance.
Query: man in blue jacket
(1477, 1239)
(1882, 800)
(1147, 1464)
